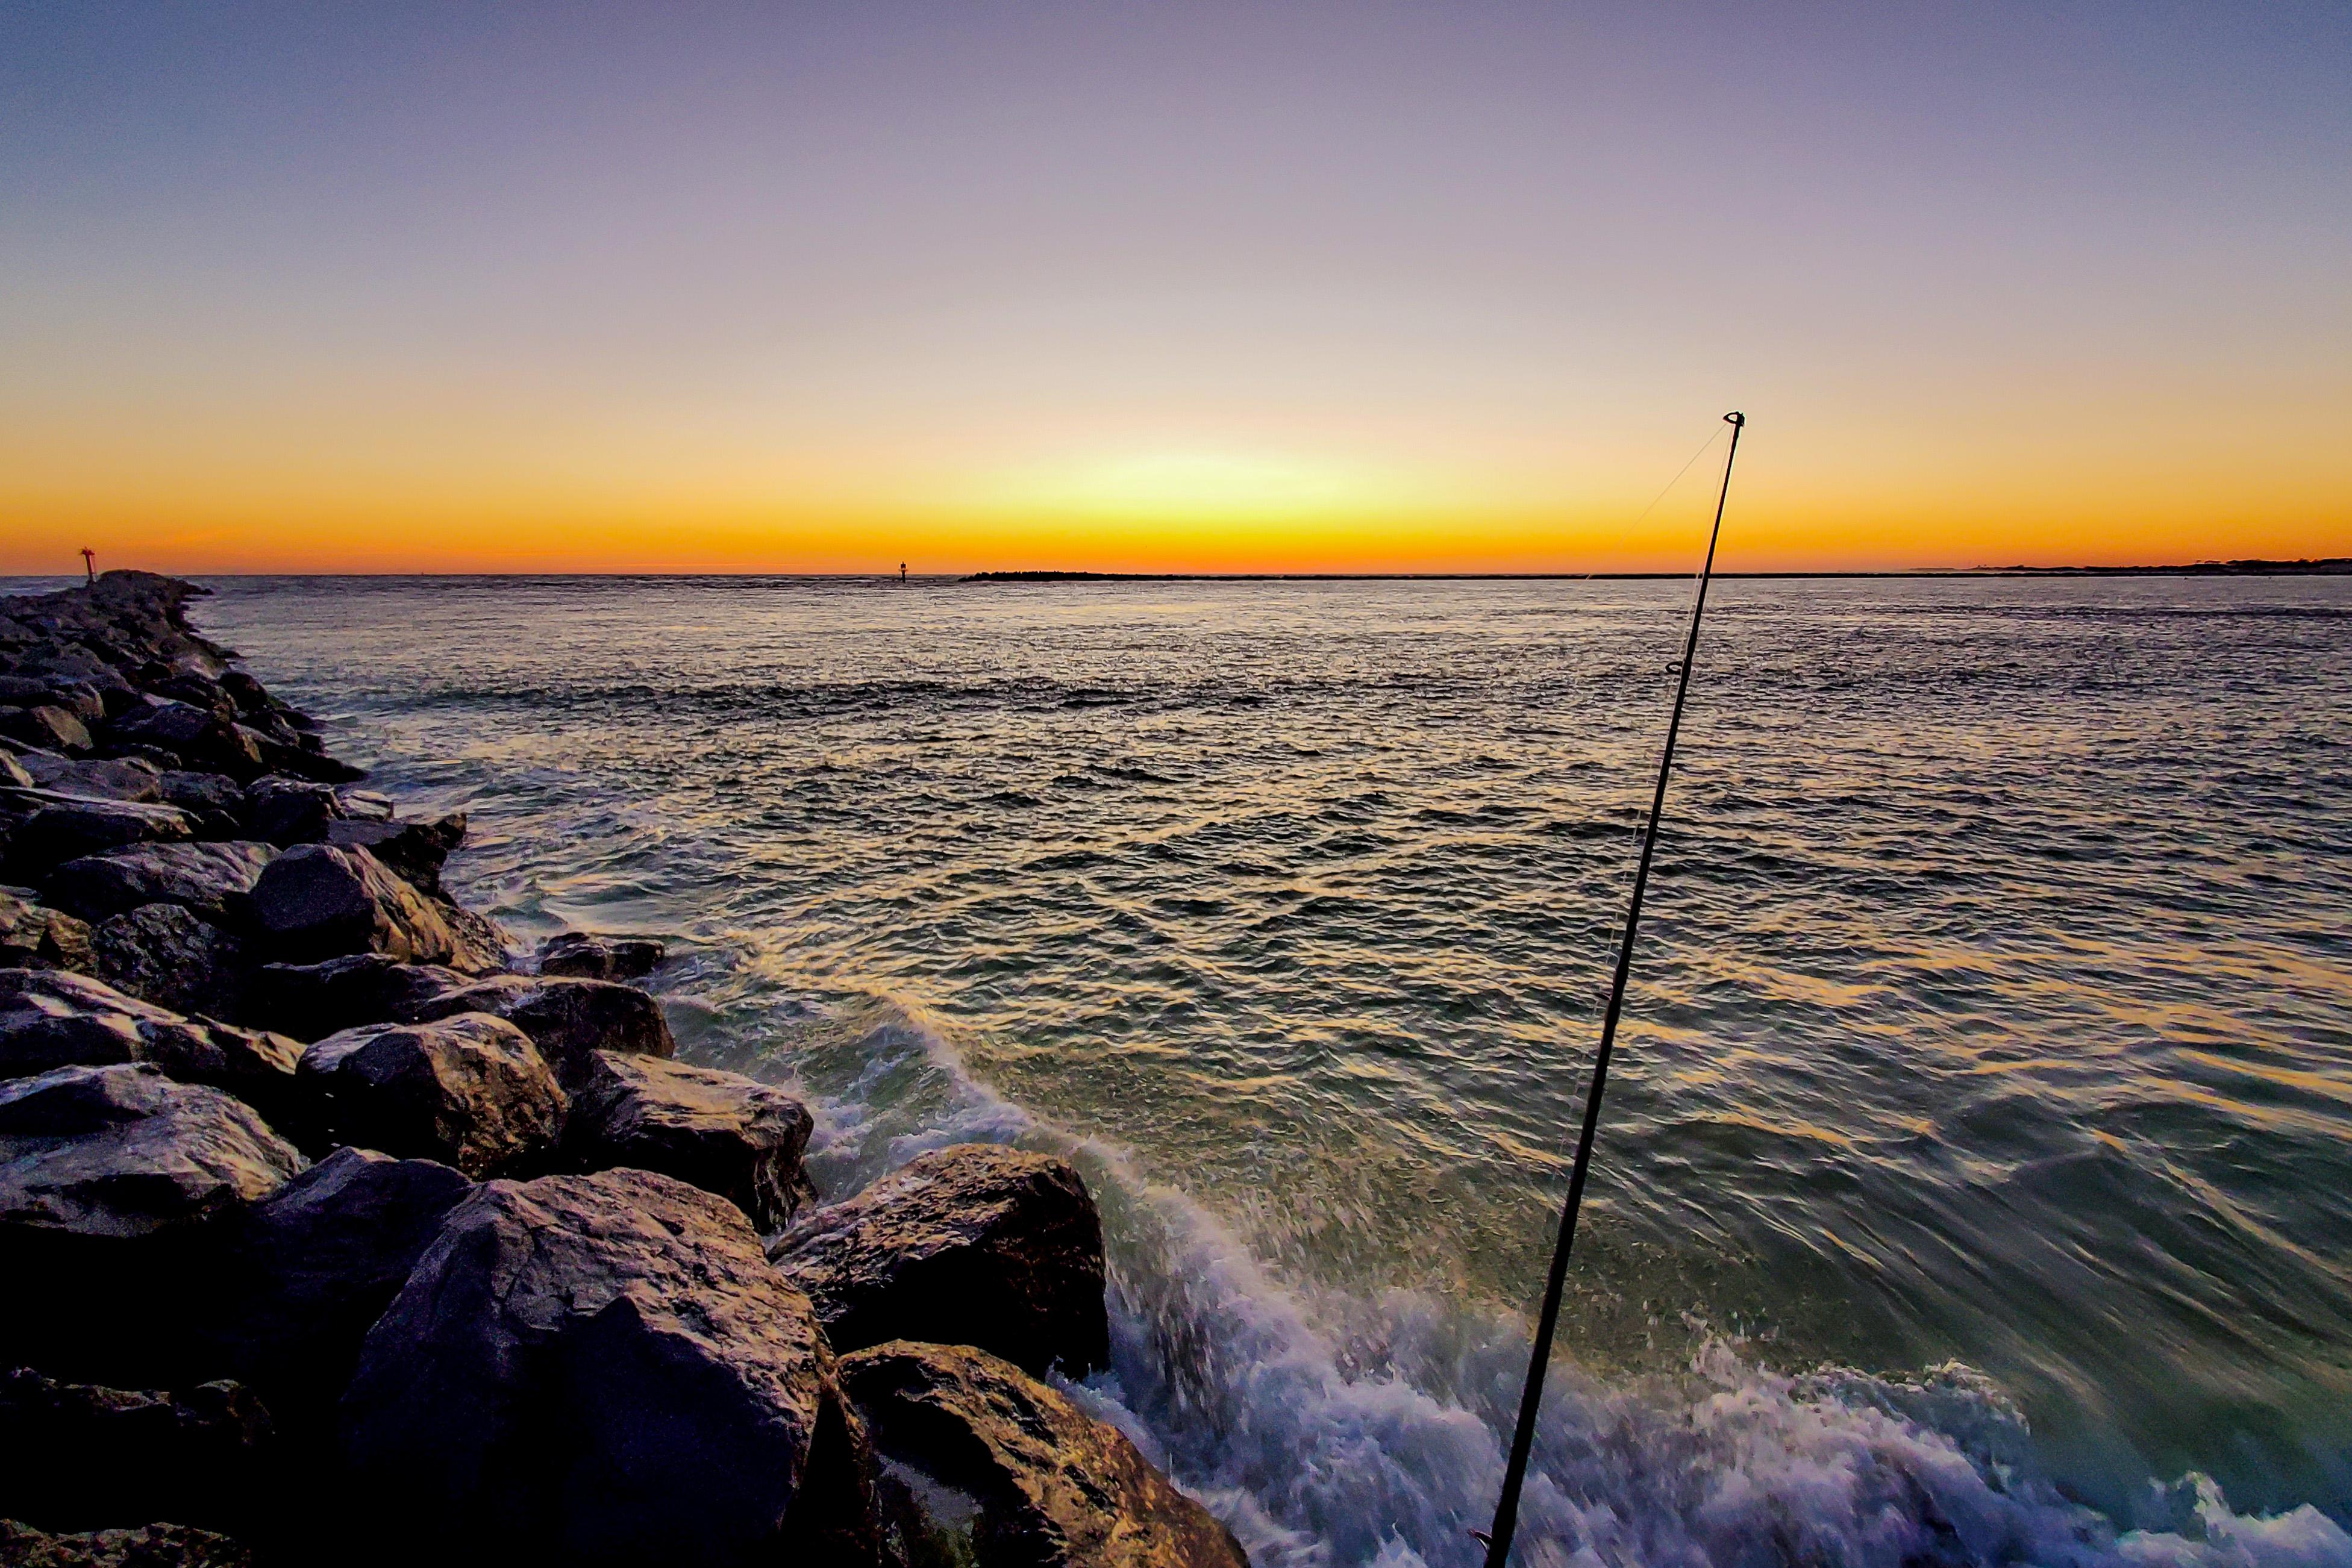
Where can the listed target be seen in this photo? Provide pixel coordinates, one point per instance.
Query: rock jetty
(335, 1230)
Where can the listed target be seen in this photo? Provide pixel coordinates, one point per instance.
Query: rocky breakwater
(331, 1231)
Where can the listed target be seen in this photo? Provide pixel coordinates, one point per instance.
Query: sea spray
(1338, 1433)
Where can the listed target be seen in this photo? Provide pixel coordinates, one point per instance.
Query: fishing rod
(1514, 1474)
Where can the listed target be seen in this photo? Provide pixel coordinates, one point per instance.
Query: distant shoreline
(2332, 566)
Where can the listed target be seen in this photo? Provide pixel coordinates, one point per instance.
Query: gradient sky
(1199, 285)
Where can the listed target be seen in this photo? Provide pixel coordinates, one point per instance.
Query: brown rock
(603, 1369)
(975, 1244)
(717, 1130)
(316, 902)
(470, 1091)
(1057, 1488)
(569, 1020)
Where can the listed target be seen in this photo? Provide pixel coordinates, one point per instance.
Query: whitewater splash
(1368, 1434)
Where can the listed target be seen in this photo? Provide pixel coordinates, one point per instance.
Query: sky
(1120, 286)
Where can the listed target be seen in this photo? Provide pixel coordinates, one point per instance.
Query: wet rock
(201, 792)
(85, 1457)
(310, 1001)
(304, 1273)
(305, 759)
(165, 954)
(717, 1130)
(470, 1091)
(603, 1369)
(569, 1020)
(49, 727)
(97, 777)
(1055, 1487)
(975, 1244)
(212, 879)
(35, 937)
(11, 768)
(51, 1019)
(106, 1177)
(287, 812)
(200, 740)
(580, 956)
(316, 902)
(60, 828)
(414, 852)
(149, 1546)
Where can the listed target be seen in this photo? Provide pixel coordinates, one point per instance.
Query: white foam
(1382, 1449)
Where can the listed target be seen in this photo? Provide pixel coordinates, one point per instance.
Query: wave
(1337, 1433)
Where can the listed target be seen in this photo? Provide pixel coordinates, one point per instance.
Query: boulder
(49, 727)
(414, 852)
(287, 812)
(310, 1001)
(97, 777)
(200, 740)
(717, 1130)
(149, 1546)
(212, 880)
(51, 1019)
(60, 829)
(569, 1020)
(976, 1244)
(201, 792)
(107, 1174)
(583, 956)
(316, 902)
(85, 1457)
(167, 956)
(1055, 1487)
(35, 937)
(603, 1369)
(11, 768)
(470, 1091)
(302, 1274)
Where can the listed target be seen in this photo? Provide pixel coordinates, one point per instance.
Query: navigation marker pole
(1514, 1474)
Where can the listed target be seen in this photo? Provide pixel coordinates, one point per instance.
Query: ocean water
(1974, 1183)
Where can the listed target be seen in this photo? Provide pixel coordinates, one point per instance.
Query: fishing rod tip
(1735, 417)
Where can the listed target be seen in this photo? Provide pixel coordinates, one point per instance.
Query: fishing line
(1507, 1506)
(1713, 436)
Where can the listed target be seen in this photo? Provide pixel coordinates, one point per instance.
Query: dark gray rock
(35, 937)
(97, 777)
(200, 740)
(1055, 1487)
(470, 1091)
(206, 792)
(212, 879)
(316, 902)
(603, 1369)
(580, 956)
(60, 828)
(51, 1019)
(287, 812)
(107, 1175)
(976, 1244)
(305, 759)
(85, 1457)
(166, 955)
(569, 1020)
(717, 1130)
(302, 1274)
(414, 852)
(149, 1546)
(51, 729)
(310, 1001)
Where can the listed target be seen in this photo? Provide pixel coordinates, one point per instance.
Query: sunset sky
(1288, 286)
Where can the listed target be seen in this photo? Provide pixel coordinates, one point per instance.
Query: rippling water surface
(1974, 1186)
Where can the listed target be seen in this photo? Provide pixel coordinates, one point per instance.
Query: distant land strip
(2332, 566)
